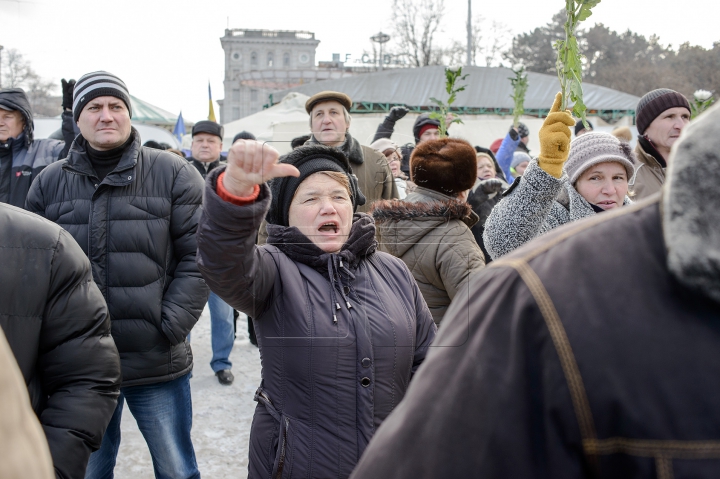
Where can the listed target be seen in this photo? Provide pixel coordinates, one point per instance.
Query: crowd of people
(434, 309)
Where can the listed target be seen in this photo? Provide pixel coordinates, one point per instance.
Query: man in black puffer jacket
(134, 211)
(58, 328)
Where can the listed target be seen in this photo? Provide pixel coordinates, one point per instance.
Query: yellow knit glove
(555, 139)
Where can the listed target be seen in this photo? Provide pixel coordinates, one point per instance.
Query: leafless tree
(415, 24)
(488, 42)
(18, 73)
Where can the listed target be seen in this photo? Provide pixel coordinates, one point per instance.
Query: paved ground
(221, 414)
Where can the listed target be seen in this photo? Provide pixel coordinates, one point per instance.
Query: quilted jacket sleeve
(187, 293)
(79, 362)
(458, 256)
(237, 270)
(522, 214)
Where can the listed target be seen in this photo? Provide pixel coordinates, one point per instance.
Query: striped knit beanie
(654, 103)
(95, 84)
(597, 147)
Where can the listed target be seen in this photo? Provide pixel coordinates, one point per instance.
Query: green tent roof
(146, 113)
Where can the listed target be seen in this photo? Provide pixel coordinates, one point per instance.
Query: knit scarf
(298, 247)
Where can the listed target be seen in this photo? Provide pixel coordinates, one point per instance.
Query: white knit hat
(597, 147)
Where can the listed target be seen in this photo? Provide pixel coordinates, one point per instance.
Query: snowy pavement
(221, 414)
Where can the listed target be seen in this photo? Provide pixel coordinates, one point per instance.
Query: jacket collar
(691, 207)
(79, 162)
(351, 147)
(649, 154)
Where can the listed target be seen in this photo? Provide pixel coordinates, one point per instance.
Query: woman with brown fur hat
(430, 229)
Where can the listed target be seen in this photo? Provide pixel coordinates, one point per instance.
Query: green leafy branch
(520, 85)
(702, 100)
(569, 61)
(453, 75)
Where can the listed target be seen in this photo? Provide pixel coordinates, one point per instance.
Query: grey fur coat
(533, 205)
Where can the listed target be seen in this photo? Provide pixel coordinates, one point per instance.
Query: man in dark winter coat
(593, 351)
(660, 116)
(206, 147)
(134, 211)
(22, 157)
(58, 328)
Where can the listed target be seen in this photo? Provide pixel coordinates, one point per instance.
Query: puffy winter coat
(649, 173)
(24, 157)
(431, 233)
(532, 206)
(57, 325)
(138, 228)
(327, 384)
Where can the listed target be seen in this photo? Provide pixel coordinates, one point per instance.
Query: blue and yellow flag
(211, 114)
(179, 129)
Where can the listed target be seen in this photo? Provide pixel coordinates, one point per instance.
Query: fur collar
(351, 148)
(691, 207)
(398, 210)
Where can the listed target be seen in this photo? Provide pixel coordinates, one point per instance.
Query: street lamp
(1, 49)
(380, 38)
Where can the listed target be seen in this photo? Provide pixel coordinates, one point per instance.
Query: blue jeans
(222, 332)
(163, 412)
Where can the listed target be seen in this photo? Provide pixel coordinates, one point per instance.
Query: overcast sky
(167, 50)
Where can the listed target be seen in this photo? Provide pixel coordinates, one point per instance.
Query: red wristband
(225, 195)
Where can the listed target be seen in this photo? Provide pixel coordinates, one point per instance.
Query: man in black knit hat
(660, 117)
(134, 211)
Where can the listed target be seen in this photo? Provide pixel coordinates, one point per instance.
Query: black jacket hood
(15, 99)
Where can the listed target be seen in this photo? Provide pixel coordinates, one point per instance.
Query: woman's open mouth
(329, 227)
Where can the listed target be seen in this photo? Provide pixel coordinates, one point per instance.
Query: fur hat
(308, 159)
(446, 165)
(622, 133)
(597, 147)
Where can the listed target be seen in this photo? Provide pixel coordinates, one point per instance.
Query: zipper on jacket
(281, 461)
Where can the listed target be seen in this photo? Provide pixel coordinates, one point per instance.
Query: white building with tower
(260, 62)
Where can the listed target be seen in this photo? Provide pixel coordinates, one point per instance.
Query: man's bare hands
(251, 163)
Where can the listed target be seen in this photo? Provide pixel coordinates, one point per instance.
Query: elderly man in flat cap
(329, 124)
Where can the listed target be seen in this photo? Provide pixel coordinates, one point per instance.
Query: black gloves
(67, 91)
(513, 134)
(397, 112)
(491, 185)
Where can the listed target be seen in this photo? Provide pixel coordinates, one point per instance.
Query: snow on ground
(221, 414)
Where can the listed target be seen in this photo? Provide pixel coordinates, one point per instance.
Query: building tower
(259, 62)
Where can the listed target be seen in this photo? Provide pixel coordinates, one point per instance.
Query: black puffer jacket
(58, 328)
(138, 228)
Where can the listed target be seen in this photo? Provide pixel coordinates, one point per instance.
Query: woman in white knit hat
(567, 182)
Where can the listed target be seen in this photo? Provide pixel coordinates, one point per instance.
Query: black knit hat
(654, 103)
(579, 126)
(95, 84)
(308, 159)
(244, 135)
(209, 127)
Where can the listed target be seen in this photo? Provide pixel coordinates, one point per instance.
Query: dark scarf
(651, 150)
(351, 148)
(335, 267)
